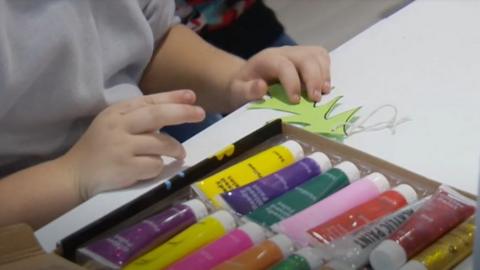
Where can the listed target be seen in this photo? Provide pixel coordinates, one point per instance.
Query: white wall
(331, 22)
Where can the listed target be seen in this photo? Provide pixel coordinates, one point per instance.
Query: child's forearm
(38, 194)
(184, 60)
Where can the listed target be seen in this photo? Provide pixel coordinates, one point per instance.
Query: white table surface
(424, 59)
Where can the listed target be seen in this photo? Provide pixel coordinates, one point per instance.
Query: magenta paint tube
(117, 250)
(245, 199)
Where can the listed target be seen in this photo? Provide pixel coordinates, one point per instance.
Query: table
(422, 59)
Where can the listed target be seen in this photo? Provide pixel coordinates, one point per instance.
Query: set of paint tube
(433, 233)
(186, 235)
(282, 202)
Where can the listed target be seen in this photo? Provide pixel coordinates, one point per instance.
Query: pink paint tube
(359, 192)
(227, 247)
(444, 211)
(117, 250)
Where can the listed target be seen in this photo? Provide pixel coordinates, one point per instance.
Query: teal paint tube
(305, 195)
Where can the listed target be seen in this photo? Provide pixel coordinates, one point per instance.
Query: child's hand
(295, 67)
(123, 145)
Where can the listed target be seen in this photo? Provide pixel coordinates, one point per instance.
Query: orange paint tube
(262, 256)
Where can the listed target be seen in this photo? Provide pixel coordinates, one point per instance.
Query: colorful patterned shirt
(212, 14)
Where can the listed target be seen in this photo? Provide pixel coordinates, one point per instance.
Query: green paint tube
(304, 259)
(305, 195)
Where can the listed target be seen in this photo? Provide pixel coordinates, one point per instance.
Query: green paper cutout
(305, 113)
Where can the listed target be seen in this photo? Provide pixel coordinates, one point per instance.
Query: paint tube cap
(226, 219)
(322, 161)
(388, 255)
(350, 170)
(254, 231)
(312, 256)
(198, 208)
(283, 243)
(222, 203)
(380, 181)
(295, 148)
(407, 192)
(414, 265)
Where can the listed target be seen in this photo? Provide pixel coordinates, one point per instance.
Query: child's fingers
(287, 74)
(288, 64)
(274, 65)
(146, 167)
(176, 96)
(313, 64)
(251, 89)
(324, 61)
(157, 144)
(154, 117)
(258, 89)
(242, 91)
(313, 78)
(137, 168)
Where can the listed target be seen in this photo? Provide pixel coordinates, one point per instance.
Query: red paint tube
(355, 218)
(443, 212)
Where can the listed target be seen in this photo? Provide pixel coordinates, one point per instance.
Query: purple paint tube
(245, 199)
(116, 251)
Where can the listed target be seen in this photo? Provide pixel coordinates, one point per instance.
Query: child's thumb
(243, 91)
(255, 89)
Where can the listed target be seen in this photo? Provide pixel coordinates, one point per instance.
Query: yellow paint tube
(194, 237)
(249, 170)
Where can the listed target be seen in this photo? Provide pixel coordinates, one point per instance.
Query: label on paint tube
(352, 250)
(300, 197)
(248, 198)
(355, 194)
(353, 219)
(249, 170)
(194, 237)
(117, 250)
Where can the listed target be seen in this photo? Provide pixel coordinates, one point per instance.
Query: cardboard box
(20, 250)
(177, 188)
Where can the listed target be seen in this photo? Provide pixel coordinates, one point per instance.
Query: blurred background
(331, 22)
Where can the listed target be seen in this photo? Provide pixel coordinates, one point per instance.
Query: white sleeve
(161, 16)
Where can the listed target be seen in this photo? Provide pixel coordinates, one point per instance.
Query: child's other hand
(123, 145)
(295, 67)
